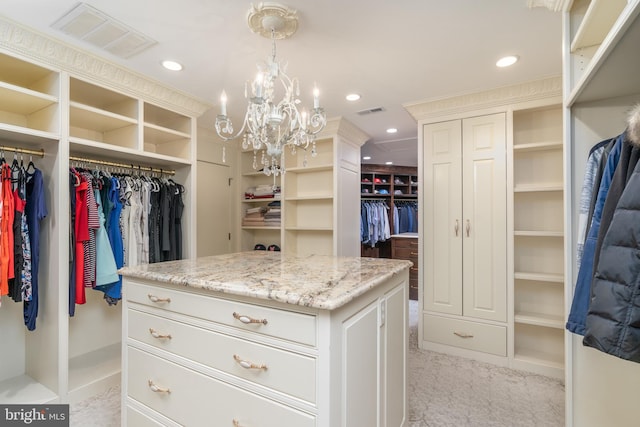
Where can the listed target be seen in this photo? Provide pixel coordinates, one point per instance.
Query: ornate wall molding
(553, 5)
(29, 44)
(529, 91)
(344, 128)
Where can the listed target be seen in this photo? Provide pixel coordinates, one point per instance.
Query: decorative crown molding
(553, 5)
(29, 44)
(529, 91)
(345, 129)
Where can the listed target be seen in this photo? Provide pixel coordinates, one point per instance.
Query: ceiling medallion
(272, 20)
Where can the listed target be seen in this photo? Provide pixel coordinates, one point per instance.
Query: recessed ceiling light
(366, 158)
(507, 61)
(353, 97)
(392, 130)
(172, 65)
(388, 163)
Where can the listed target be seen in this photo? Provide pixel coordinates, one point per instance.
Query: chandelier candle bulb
(258, 86)
(223, 103)
(316, 98)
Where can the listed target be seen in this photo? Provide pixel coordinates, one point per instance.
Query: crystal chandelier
(271, 125)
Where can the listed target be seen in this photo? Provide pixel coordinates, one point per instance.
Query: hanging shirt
(81, 235)
(6, 231)
(36, 211)
(106, 270)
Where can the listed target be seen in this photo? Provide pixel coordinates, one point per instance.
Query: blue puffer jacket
(613, 319)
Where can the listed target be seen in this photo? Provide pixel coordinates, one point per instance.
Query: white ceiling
(389, 52)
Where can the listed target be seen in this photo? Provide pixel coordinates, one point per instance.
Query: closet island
(266, 338)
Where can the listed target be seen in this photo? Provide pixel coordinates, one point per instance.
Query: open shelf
(532, 188)
(100, 114)
(597, 22)
(540, 277)
(89, 370)
(611, 72)
(314, 197)
(529, 233)
(539, 319)
(23, 388)
(538, 240)
(309, 169)
(537, 146)
(539, 345)
(90, 148)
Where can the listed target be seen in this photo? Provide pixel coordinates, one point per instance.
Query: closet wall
(601, 39)
(72, 104)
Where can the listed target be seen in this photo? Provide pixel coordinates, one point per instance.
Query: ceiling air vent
(371, 110)
(87, 23)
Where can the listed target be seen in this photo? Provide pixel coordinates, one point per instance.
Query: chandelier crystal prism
(273, 121)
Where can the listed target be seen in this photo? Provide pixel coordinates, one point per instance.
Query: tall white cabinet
(491, 265)
(601, 40)
(465, 206)
(67, 104)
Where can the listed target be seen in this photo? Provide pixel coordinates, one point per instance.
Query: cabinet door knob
(156, 389)
(457, 227)
(468, 227)
(248, 365)
(158, 335)
(154, 298)
(463, 334)
(246, 319)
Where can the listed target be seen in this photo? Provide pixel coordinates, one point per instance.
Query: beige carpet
(443, 391)
(453, 391)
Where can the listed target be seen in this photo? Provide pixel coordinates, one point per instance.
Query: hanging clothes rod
(130, 166)
(39, 153)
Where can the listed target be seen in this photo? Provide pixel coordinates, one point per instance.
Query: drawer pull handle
(154, 298)
(248, 365)
(158, 335)
(468, 227)
(463, 334)
(246, 319)
(414, 268)
(457, 227)
(236, 423)
(414, 253)
(156, 389)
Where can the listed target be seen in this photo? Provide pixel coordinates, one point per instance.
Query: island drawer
(278, 323)
(470, 335)
(285, 371)
(193, 399)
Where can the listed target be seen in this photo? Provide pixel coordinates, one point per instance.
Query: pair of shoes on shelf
(261, 247)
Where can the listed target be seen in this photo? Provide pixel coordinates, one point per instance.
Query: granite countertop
(323, 282)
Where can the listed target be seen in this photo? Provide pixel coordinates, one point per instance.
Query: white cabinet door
(394, 389)
(485, 223)
(465, 217)
(213, 214)
(361, 368)
(442, 213)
